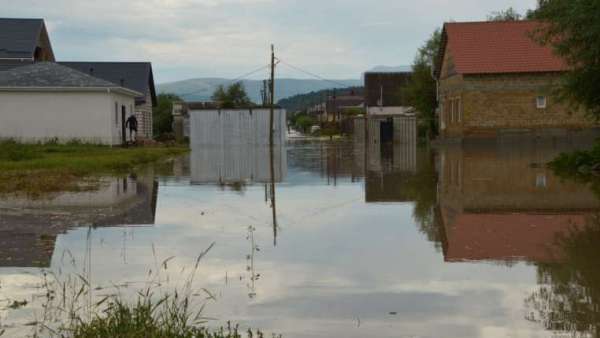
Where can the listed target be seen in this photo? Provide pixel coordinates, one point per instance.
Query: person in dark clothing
(132, 124)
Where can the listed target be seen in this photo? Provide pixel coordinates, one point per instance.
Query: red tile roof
(501, 237)
(498, 47)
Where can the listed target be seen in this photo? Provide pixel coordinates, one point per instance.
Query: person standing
(132, 124)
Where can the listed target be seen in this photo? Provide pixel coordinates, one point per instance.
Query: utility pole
(272, 98)
(271, 144)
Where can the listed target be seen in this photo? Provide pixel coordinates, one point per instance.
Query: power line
(312, 74)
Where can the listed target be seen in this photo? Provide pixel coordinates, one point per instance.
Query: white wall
(235, 126)
(41, 116)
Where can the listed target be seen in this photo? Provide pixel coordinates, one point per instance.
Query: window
(541, 102)
(452, 111)
(116, 114)
(459, 110)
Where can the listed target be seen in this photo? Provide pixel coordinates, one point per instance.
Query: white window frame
(452, 111)
(538, 102)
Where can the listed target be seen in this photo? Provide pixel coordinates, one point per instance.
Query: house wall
(42, 116)
(485, 105)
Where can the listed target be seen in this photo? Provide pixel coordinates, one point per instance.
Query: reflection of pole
(272, 144)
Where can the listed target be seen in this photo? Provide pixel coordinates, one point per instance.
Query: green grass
(168, 317)
(39, 168)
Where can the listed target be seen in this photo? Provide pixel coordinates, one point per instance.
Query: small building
(133, 75)
(384, 92)
(236, 126)
(23, 42)
(493, 78)
(46, 101)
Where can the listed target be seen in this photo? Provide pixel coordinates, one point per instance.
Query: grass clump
(39, 168)
(169, 317)
(74, 306)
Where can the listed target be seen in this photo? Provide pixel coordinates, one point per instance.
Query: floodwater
(330, 239)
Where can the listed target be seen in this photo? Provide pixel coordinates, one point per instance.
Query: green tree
(572, 29)
(162, 114)
(509, 14)
(234, 96)
(421, 90)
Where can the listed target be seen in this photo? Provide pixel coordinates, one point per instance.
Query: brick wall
(487, 104)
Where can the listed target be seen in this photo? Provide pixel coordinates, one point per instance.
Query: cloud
(201, 38)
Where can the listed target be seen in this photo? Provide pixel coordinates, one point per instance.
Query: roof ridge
(491, 22)
(141, 62)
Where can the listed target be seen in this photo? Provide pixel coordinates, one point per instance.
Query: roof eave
(121, 90)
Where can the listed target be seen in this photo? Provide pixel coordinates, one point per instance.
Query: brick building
(494, 78)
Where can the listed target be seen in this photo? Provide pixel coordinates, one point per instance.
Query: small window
(117, 114)
(540, 181)
(452, 111)
(541, 102)
(459, 109)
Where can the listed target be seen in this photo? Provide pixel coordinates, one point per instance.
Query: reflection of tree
(422, 189)
(569, 298)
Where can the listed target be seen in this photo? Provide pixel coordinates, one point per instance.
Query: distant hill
(201, 89)
(301, 102)
(390, 69)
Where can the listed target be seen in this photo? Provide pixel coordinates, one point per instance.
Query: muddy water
(320, 239)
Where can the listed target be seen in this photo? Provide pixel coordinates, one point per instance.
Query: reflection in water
(500, 202)
(29, 227)
(355, 217)
(568, 298)
(238, 164)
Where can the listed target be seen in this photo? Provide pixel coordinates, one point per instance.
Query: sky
(336, 39)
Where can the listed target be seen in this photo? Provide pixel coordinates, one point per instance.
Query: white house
(47, 101)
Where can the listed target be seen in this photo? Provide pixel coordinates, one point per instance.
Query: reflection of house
(23, 42)
(29, 227)
(384, 93)
(133, 75)
(500, 202)
(494, 78)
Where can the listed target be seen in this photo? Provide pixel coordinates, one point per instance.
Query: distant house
(337, 105)
(493, 78)
(384, 92)
(23, 42)
(46, 101)
(133, 75)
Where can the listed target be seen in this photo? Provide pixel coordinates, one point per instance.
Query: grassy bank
(37, 168)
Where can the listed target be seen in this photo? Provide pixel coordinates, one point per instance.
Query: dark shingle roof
(49, 74)
(19, 37)
(135, 75)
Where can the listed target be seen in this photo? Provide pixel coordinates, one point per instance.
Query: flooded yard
(327, 239)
